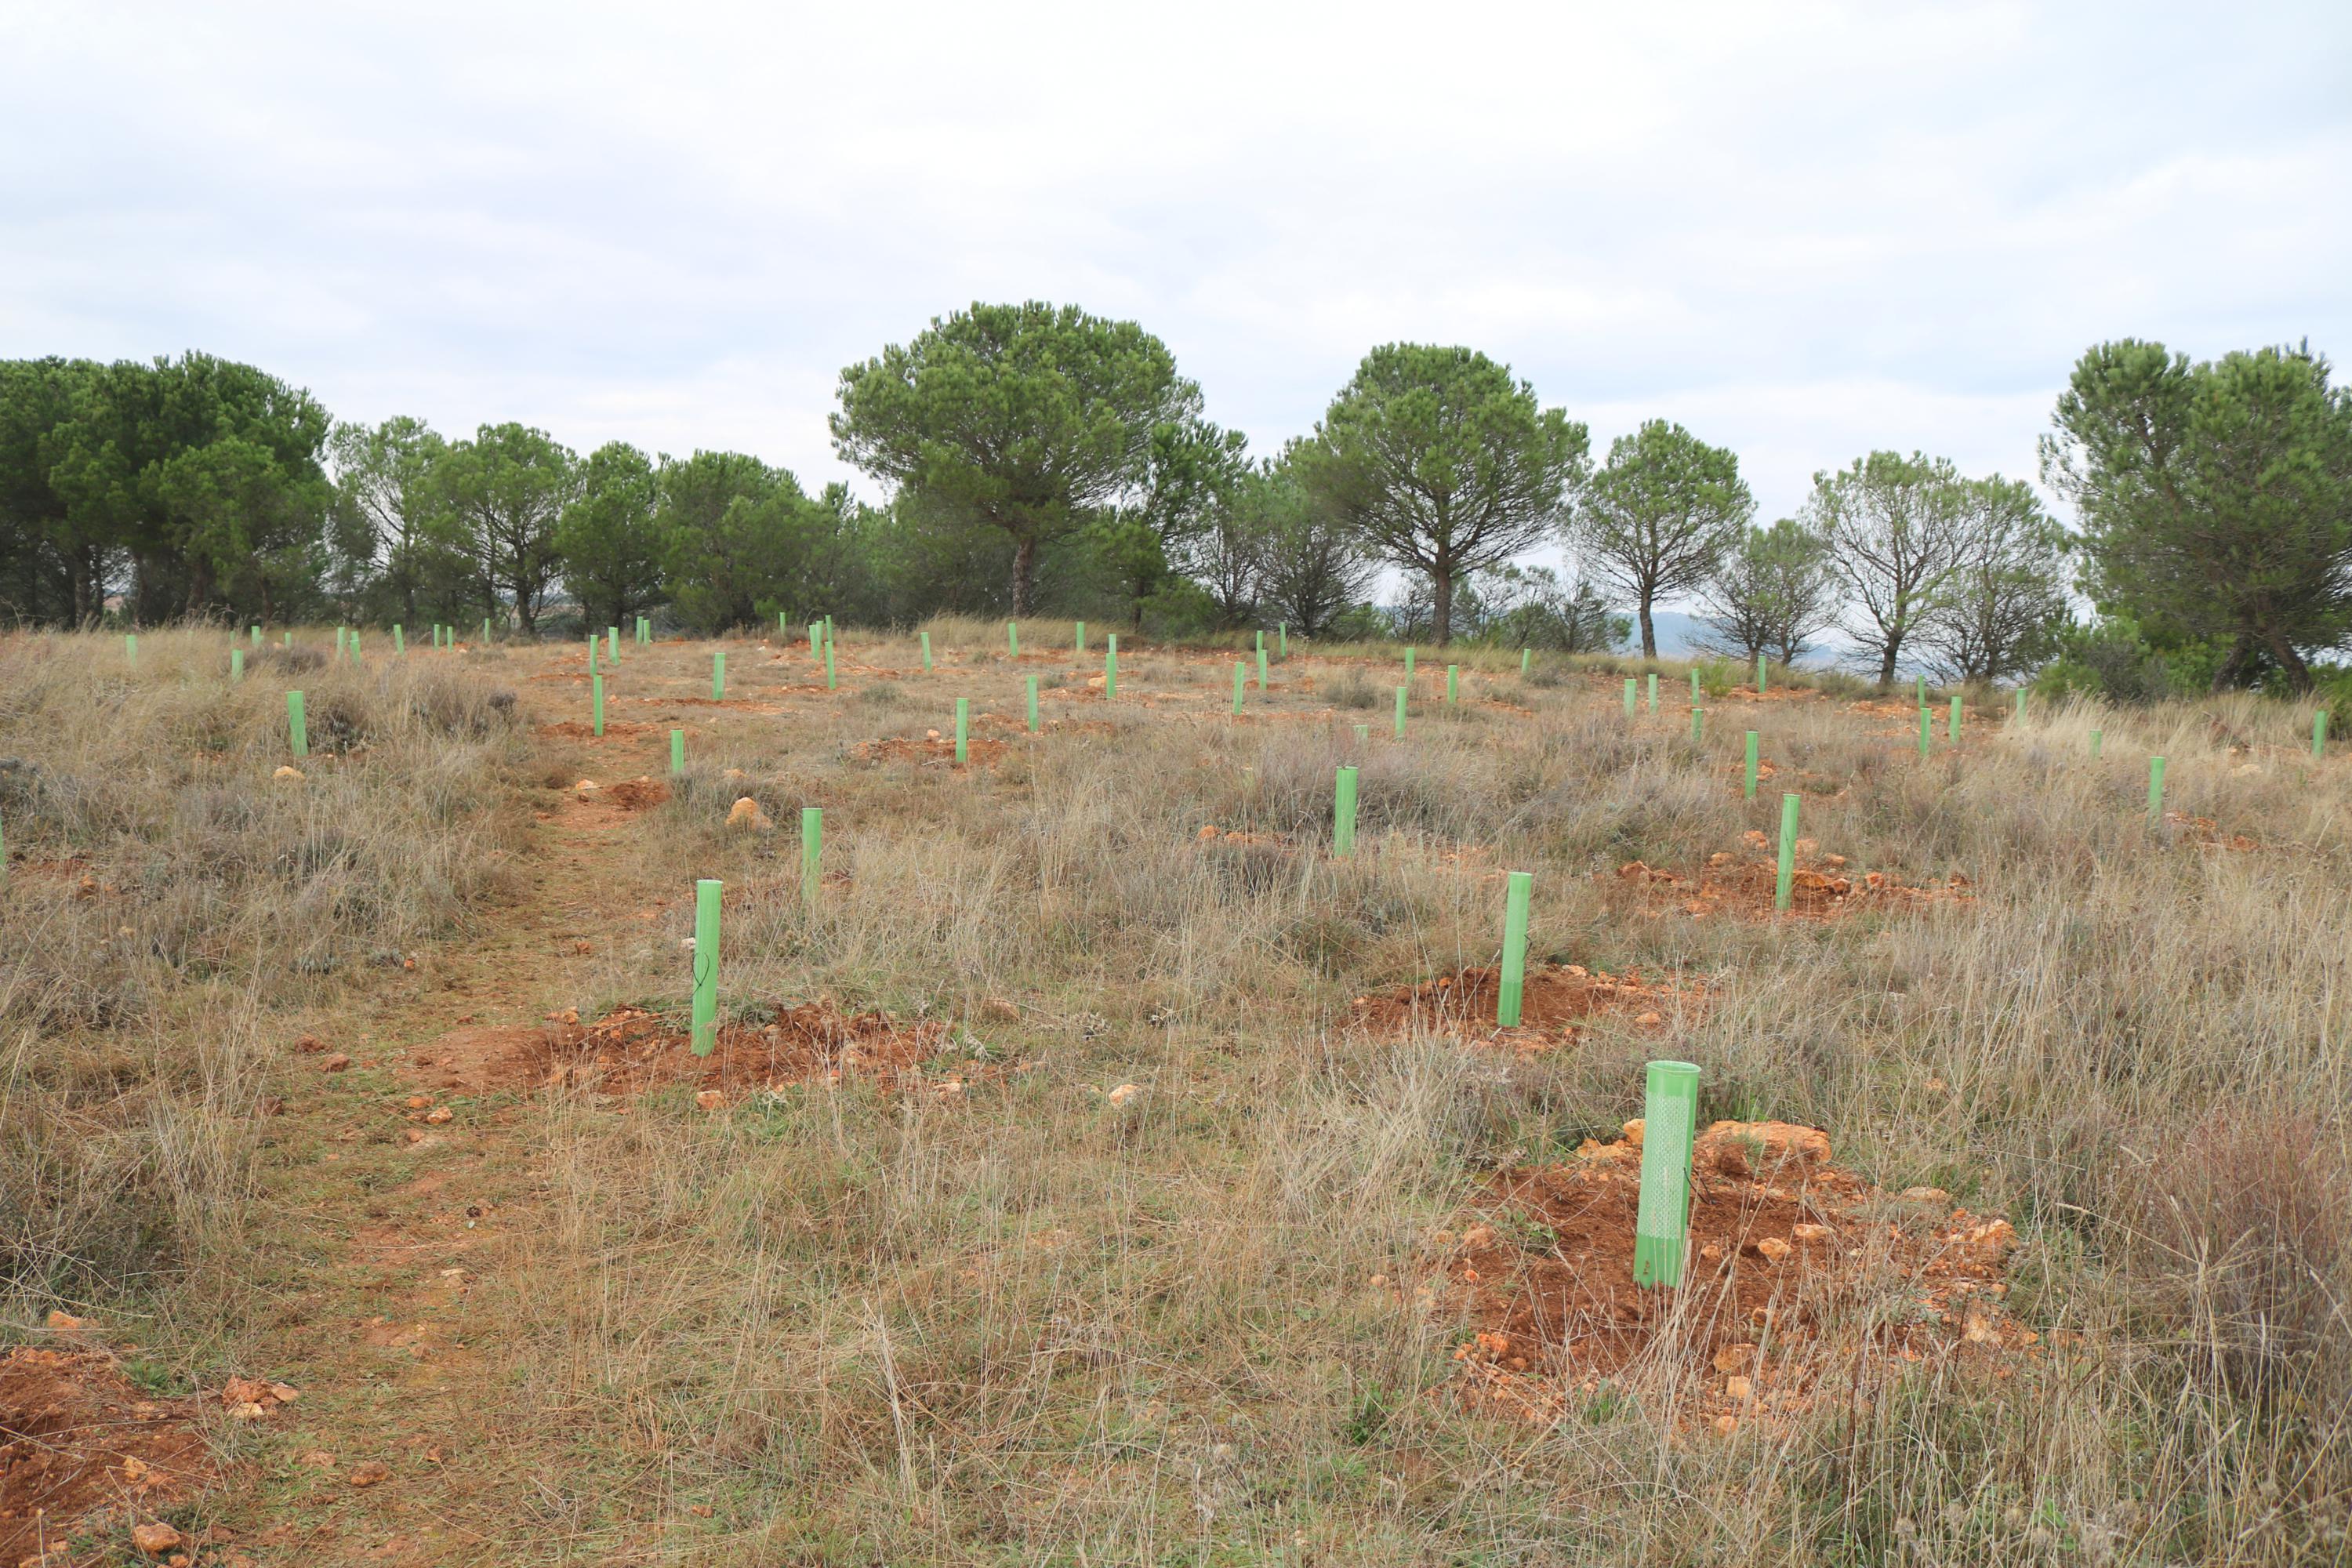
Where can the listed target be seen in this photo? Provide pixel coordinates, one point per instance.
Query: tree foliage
(1659, 515)
(1771, 594)
(609, 539)
(1442, 464)
(2215, 499)
(1895, 530)
(1034, 419)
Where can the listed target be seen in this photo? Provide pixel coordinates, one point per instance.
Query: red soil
(584, 730)
(1800, 1276)
(978, 750)
(1819, 888)
(1554, 1000)
(77, 1437)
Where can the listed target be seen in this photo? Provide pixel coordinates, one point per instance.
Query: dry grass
(1015, 1323)
(168, 898)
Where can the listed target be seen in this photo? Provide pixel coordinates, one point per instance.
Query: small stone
(64, 1323)
(439, 1114)
(1810, 1232)
(335, 1063)
(1123, 1093)
(1735, 1358)
(371, 1473)
(746, 813)
(1925, 1196)
(1649, 1020)
(154, 1540)
(291, 775)
(998, 1010)
(1725, 1425)
(1773, 1248)
(710, 1100)
(1739, 1388)
(1634, 1129)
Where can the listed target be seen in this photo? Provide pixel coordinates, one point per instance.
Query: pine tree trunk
(1441, 594)
(1024, 571)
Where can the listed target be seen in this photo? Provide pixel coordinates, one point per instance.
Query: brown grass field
(1101, 1172)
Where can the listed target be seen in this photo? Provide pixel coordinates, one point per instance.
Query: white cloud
(1804, 230)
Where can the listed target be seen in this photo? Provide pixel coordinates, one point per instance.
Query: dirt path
(407, 1181)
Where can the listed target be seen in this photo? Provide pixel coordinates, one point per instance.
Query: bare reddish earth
(1820, 886)
(1799, 1275)
(1554, 1000)
(82, 1447)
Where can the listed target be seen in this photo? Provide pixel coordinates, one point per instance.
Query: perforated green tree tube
(1654, 691)
(1784, 884)
(1363, 734)
(677, 751)
(812, 853)
(1012, 638)
(1282, 637)
(1452, 684)
(485, 628)
(1923, 688)
(1662, 1218)
(1698, 724)
(2021, 702)
(927, 650)
(1952, 729)
(2155, 789)
(1629, 698)
(596, 696)
(1261, 645)
(1927, 728)
(130, 646)
(962, 727)
(783, 627)
(1082, 636)
(355, 645)
(2319, 733)
(817, 640)
(1759, 674)
(1752, 765)
(298, 732)
(340, 635)
(236, 663)
(1241, 678)
(1694, 675)
(828, 628)
(399, 639)
(592, 652)
(1408, 664)
(1032, 704)
(832, 676)
(1261, 663)
(1110, 669)
(1343, 813)
(611, 645)
(1527, 657)
(289, 639)
(718, 676)
(257, 636)
(1399, 719)
(706, 965)
(2094, 745)
(1512, 988)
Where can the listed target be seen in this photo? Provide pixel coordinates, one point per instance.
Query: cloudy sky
(1802, 230)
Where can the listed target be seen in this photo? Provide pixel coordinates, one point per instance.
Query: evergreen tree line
(1040, 460)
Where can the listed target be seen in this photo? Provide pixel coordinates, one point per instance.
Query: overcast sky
(1804, 230)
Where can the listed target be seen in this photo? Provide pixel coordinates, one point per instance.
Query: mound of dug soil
(82, 1449)
(630, 1050)
(1556, 998)
(932, 748)
(1802, 1278)
(1820, 886)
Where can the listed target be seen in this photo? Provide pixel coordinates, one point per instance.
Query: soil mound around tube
(83, 1450)
(1554, 999)
(631, 1050)
(933, 749)
(1801, 1278)
(1820, 887)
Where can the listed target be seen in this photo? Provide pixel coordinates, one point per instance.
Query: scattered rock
(292, 774)
(372, 1473)
(65, 1324)
(310, 1044)
(746, 813)
(1123, 1093)
(154, 1540)
(439, 1114)
(998, 1010)
(710, 1100)
(1925, 1196)
(335, 1063)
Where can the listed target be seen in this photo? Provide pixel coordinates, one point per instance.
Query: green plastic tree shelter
(962, 727)
(706, 965)
(1784, 884)
(1511, 989)
(1752, 765)
(677, 751)
(1662, 1219)
(811, 852)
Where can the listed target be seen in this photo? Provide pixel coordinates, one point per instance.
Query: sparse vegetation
(1108, 1241)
